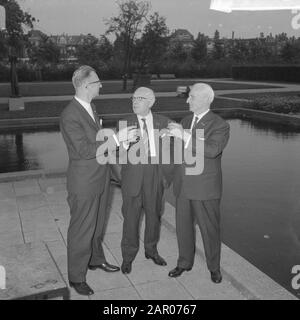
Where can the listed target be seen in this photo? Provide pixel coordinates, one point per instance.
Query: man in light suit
(198, 196)
(143, 184)
(88, 182)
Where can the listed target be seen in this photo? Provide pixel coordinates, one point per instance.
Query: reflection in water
(28, 150)
(260, 205)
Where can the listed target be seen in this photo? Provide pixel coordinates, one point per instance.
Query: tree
(199, 51)
(151, 47)
(88, 51)
(290, 52)
(105, 49)
(16, 20)
(46, 52)
(126, 26)
(14, 39)
(218, 50)
(239, 51)
(178, 54)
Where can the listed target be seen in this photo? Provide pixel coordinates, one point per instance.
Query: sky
(87, 16)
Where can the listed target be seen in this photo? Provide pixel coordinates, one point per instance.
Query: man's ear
(151, 103)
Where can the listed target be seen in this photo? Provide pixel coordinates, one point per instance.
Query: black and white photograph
(149, 152)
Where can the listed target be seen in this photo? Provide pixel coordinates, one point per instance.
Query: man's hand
(176, 130)
(128, 134)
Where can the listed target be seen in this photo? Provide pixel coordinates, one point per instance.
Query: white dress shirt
(149, 123)
(87, 107)
(199, 116)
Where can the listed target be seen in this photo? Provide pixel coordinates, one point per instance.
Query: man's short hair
(146, 93)
(80, 75)
(205, 89)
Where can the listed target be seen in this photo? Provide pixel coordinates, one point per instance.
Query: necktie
(195, 123)
(145, 137)
(95, 116)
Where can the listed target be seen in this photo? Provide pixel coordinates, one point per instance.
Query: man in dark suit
(88, 182)
(198, 194)
(143, 183)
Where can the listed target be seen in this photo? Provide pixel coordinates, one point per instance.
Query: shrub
(279, 104)
(289, 73)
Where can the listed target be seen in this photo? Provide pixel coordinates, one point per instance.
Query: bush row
(107, 72)
(279, 104)
(289, 73)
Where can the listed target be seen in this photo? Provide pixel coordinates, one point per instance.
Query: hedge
(288, 73)
(279, 104)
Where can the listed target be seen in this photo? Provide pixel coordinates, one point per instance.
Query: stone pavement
(35, 209)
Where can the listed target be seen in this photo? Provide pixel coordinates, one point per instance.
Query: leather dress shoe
(176, 272)
(157, 259)
(126, 267)
(82, 288)
(105, 266)
(216, 276)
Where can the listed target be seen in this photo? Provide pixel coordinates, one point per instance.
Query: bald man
(143, 183)
(198, 195)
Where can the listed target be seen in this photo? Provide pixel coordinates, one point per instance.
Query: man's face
(93, 85)
(198, 101)
(141, 103)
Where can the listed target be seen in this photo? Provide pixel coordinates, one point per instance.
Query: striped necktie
(145, 137)
(194, 123)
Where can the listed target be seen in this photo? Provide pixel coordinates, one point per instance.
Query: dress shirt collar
(200, 116)
(148, 117)
(87, 106)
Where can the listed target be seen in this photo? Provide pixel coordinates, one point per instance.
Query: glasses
(98, 81)
(138, 98)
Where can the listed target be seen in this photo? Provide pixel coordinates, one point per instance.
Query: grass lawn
(110, 106)
(66, 88)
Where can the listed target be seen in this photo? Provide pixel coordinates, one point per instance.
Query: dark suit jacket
(208, 184)
(84, 175)
(132, 174)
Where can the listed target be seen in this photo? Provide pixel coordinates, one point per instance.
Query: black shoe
(216, 276)
(82, 288)
(126, 267)
(157, 259)
(105, 266)
(178, 271)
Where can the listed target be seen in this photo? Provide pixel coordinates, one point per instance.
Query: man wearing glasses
(88, 182)
(143, 183)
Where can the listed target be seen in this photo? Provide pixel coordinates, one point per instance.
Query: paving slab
(147, 271)
(128, 293)
(26, 187)
(166, 289)
(44, 217)
(7, 191)
(8, 207)
(31, 202)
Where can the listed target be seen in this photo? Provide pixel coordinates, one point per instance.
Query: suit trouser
(149, 199)
(207, 215)
(85, 233)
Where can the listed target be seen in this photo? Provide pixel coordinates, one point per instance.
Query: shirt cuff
(187, 137)
(116, 139)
